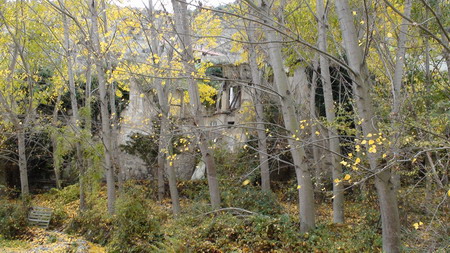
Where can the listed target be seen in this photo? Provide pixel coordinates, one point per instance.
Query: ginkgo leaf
(373, 149)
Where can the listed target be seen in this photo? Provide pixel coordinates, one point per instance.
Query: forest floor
(424, 225)
(42, 241)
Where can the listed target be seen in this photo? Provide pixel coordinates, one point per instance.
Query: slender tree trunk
(165, 146)
(259, 108)
(433, 171)
(163, 102)
(314, 140)
(169, 165)
(183, 30)
(361, 83)
(335, 156)
(22, 161)
(73, 100)
(397, 84)
(105, 116)
(19, 126)
(291, 122)
(112, 103)
(160, 172)
(56, 164)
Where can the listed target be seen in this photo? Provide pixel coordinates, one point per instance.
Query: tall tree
(333, 135)
(361, 86)
(291, 122)
(104, 111)
(184, 33)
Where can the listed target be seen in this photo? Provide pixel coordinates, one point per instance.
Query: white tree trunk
(183, 30)
(291, 123)
(335, 156)
(397, 84)
(257, 80)
(361, 84)
(105, 116)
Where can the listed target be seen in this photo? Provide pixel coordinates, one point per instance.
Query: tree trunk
(312, 112)
(361, 84)
(291, 122)
(165, 147)
(56, 164)
(335, 156)
(22, 161)
(183, 30)
(259, 108)
(170, 169)
(104, 112)
(73, 101)
(397, 84)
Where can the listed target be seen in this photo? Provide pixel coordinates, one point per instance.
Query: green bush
(193, 189)
(226, 232)
(136, 228)
(13, 219)
(251, 198)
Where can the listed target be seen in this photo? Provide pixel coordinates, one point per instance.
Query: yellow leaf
(416, 225)
(142, 95)
(119, 93)
(371, 142)
(364, 142)
(373, 149)
(343, 163)
(384, 155)
(298, 187)
(362, 22)
(369, 135)
(246, 182)
(317, 133)
(350, 155)
(354, 13)
(354, 168)
(357, 160)
(347, 177)
(389, 35)
(448, 193)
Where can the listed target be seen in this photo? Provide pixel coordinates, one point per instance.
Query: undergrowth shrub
(136, 227)
(251, 198)
(13, 218)
(95, 224)
(227, 232)
(64, 203)
(193, 189)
